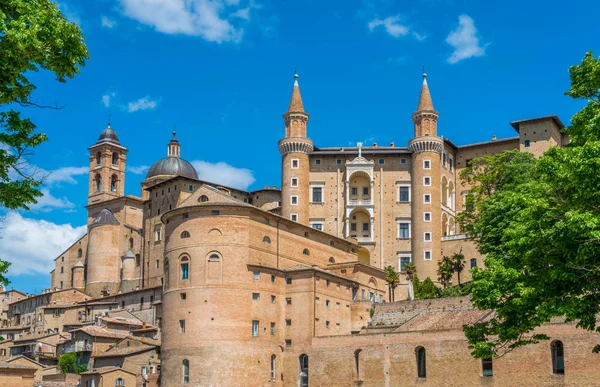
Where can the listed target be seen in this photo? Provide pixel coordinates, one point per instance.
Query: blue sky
(221, 71)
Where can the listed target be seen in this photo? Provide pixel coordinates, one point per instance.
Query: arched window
(113, 183)
(303, 377)
(131, 243)
(98, 183)
(185, 371)
(214, 257)
(273, 367)
(203, 198)
(185, 266)
(357, 362)
(185, 234)
(79, 253)
(331, 260)
(305, 252)
(421, 362)
(266, 239)
(98, 158)
(115, 158)
(558, 358)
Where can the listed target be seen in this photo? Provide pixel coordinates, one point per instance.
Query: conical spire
(296, 105)
(425, 102)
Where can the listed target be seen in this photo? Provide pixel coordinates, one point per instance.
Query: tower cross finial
(424, 73)
(359, 145)
(109, 120)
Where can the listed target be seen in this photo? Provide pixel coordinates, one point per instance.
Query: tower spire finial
(424, 73)
(296, 105)
(425, 102)
(109, 119)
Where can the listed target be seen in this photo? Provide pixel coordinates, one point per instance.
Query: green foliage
(34, 35)
(3, 270)
(68, 364)
(445, 271)
(392, 279)
(538, 221)
(425, 289)
(371, 312)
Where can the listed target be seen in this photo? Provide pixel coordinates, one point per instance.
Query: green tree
(538, 222)
(67, 363)
(445, 271)
(457, 262)
(34, 36)
(392, 279)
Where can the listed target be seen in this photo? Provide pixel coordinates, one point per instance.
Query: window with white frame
(317, 226)
(404, 193)
(402, 161)
(426, 164)
(404, 259)
(404, 230)
(254, 328)
(427, 236)
(427, 198)
(427, 255)
(318, 161)
(316, 193)
(294, 200)
(427, 181)
(294, 182)
(294, 217)
(427, 217)
(295, 163)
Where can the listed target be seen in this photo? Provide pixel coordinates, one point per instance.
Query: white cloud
(31, 245)
(106, 98)
(225, 174)
(144, 103)
(65, 175)
(108, 23)
(391, 26)
(138, 170)
(465, 41)
(203, 18)
(419, 36)
(48, 202)
(69, 13)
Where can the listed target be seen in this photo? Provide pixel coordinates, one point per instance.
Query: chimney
(374, 145)
(494, 137)
(392, 144)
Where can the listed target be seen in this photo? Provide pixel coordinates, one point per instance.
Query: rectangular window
(402, 161)
(426, 164)
(365, 226)
(404, 192)
(273, 299)
(157, 234)
(294, 181)
(362, 294)
(486, 365)
(294, 200)
(427, 216)
(288, 323)
(190, 187)
(427, 255)
(256, 275)
(183, 296)
(444, 158)
(294, 217)
(327, 324)
(352, 226)
(327, 283)
(365, 191)
(404, 230)
(427, 198)
(184, 271)
(254, 328)
(527, 143)
(451, 163)
(288, 301)
(338, 162)
(381, 161)
(427, 236)
(255, 296)
(473, 262)
(354, 293)
(157, 264)
(354, 191)
(327, 303)
(215, 213)
(182, 326)
(427, 181)
(288, 281)
(317, 194)
(288, 343)
(318, 162)
(403, 260)
(186, 215)
(317, 226)
(295, 163)
(273, 279)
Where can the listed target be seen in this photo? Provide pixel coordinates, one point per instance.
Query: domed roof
(108, 135)
(105, 217)
(172, 165)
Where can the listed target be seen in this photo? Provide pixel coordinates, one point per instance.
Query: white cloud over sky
(65, 175)
(393, 27)
(108, 23)
(225, 174)
(465, 41)
(31, 245)
(49, 202)
(107, 98)
(137, 170)
(211, 20)
(144, 103)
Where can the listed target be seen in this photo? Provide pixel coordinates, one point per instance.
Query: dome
(172, 165)
(108, 135)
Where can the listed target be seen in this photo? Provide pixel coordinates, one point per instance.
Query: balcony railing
(364, 239)
(454, 237)
(360, 202)
(77, 347)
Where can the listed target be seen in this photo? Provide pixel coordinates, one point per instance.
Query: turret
(103, 261)
(294, 149)
(426, 150)
(78, 276)
(107, 167)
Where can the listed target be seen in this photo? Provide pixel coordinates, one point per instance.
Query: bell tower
(107, 167)
(294, 149)
(426, 148)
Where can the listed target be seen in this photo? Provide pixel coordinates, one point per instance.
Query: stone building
(253, 284)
